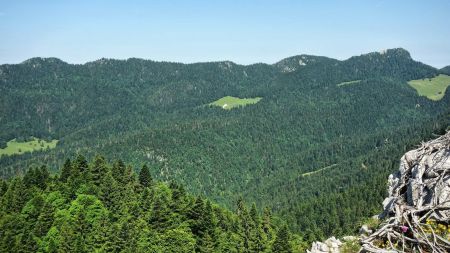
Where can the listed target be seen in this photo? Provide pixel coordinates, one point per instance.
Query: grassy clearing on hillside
(432, 88)
(347, 83)
(319, 170)
(229, 102)
(14, 147)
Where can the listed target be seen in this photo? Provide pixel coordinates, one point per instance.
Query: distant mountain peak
(392, 52)
(43, 60)
(293, 63)
(445, 70)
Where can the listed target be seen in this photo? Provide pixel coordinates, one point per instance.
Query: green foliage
(104, 215)
(281, 243)
(350, 247)
(153, 113)
(372, 223)
(145, 179)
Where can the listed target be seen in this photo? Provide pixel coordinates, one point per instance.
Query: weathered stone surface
(423, 180)
(420, 190)
(364, 230)
(331, 245)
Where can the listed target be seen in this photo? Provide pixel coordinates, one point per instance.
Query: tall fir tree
(145, 179)
(282, 244)
(98, 170)
(66, 170)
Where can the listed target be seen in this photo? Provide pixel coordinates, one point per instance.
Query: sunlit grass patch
(17, 147)
(229, 102)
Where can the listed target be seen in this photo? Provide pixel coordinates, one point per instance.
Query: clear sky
(241, 31)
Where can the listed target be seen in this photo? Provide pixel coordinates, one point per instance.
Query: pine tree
(119, 172)
(80, 165)
(206, 242)
(195, 215)
(179, 198)
(244, 223)
(30, 214)
(30, 177)
(15, 197)
(109, 192)
(78, 175)
(161, 213)
(45, 220)
(146, 203)
(267, 224)
(281, 244)
(258, 239)
(43, 176)
(3, 187)
(65, 171)
(145, 179)
(98, 170)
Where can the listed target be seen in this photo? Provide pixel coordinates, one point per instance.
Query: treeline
(101, 207)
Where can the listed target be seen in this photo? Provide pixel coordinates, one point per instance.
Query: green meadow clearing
(432, 88)
(319, 170)
(228, 102)
(15, 147)
(347, 83)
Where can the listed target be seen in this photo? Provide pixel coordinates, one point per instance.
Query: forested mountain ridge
(445, 70)
(347, 122)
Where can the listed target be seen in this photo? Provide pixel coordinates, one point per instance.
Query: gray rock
(364, 230)
(425, 174)
(331, 245)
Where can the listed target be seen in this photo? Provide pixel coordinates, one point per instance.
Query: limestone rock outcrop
(331, 245)
(418, 192)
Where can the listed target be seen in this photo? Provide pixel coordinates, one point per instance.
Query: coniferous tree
(195, 215)
(145, 179)
(119, 172)
(3, 187)
(282, 244)
(161, 213)
(45, 220)
(267, 224)
(98, 170)
(30, 178)
(66, 170)
(258, 239)
(80, 166)
(15, 197)
(43, 176)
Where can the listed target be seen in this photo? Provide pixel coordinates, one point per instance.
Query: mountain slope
(156, 113)
(445, 70)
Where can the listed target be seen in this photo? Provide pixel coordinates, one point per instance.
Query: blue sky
(241, 31)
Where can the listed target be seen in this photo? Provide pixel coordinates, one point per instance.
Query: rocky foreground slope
(416, 213)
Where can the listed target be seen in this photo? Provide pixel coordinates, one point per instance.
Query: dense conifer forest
(315, 150)
(101, 207)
